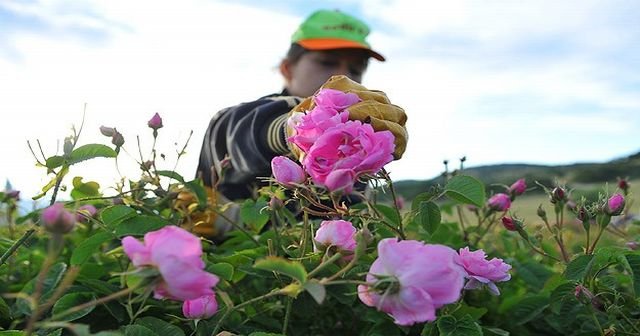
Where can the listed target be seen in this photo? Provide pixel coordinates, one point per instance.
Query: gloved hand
(375, 109)
(206, 222)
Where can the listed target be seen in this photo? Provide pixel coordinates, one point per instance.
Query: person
(241, 140)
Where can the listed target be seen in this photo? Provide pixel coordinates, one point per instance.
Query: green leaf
(450, 326)
(11, 333)
(54, 162)
(71, 300)
(51, 281)
(253, 214)
(89, 246)
(529, 308)
(578, 267)
(466, 189)
(475, 312)
(223, 270)
(494, 331)
(390, 213)
(634, 264)
(428, 216)
(159, 326)
(91, 151)
(59, 176)
(171, 174)
(84, 190)
(5, 312)
(114, 215)
(139, 225)
(317, 290)
(423, 197)
(138, 330)
(533, 273)
(293, 269)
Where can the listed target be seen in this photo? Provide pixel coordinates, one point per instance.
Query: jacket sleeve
(250, 135)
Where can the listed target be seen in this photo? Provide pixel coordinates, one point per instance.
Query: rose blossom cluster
(410, 280)
(177, 255)
(335, 150)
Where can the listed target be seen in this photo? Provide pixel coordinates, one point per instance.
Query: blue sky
(544, 82)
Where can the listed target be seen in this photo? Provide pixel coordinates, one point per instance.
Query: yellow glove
(375, 109)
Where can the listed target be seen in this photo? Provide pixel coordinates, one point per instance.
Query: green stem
(93, 303)
(237, 226)
(595, 319)
(395, 202)
(287, 316)
(324, 264)
(16, 245)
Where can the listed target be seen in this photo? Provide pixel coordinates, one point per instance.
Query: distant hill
(579, 173)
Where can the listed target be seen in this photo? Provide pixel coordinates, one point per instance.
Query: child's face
(315, 67)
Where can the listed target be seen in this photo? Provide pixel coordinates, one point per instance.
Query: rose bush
(302, 261)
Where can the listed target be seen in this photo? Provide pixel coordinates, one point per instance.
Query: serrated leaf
(89, 246)
(223, 270)
(252, 214)
(528, 308)
(450, 326)
(466, 189)
(91, 151)
(494, 331)
(289, 268)
(428, 216)
(316, 290)
(140, 225)
(71, 300)
(171, 174)
(578, 267)
(5, 312)
(159, 326)
(423, 197)
(114, 215)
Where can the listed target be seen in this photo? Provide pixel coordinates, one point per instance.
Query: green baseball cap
(332, 29)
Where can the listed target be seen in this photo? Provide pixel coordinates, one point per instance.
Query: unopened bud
(499, 202)
(583, 214)
(623, 185)
(615, 205)
(276, 203)
(518, 187)
(509, 223)
(117, 139)
(558, 195)
(541, 213)
(13, 194)
(68, 145)
(155, 122)
(85, 212)
(57, 219)
(107, 131)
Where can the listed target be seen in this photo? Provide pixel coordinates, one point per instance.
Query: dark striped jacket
(250, 135)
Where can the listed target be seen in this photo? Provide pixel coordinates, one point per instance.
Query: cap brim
(328, 44)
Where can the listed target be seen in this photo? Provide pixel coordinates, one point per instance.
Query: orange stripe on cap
(333, 43)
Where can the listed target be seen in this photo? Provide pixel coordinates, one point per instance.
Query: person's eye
(328, 63)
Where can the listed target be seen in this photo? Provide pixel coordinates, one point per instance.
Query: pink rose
(83, 213)
(410, 280)
(353, 146)
(200, 308)
(308, 127)
(338, 233)
(155, 122)
(615, 205)
(482, 271)
(335, 99)
(57, 219)
(176, 254)
(499, 202)
(341, 180)
(518, 187)
(286, 172)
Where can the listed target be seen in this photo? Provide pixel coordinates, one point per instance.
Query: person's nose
(343, 69)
